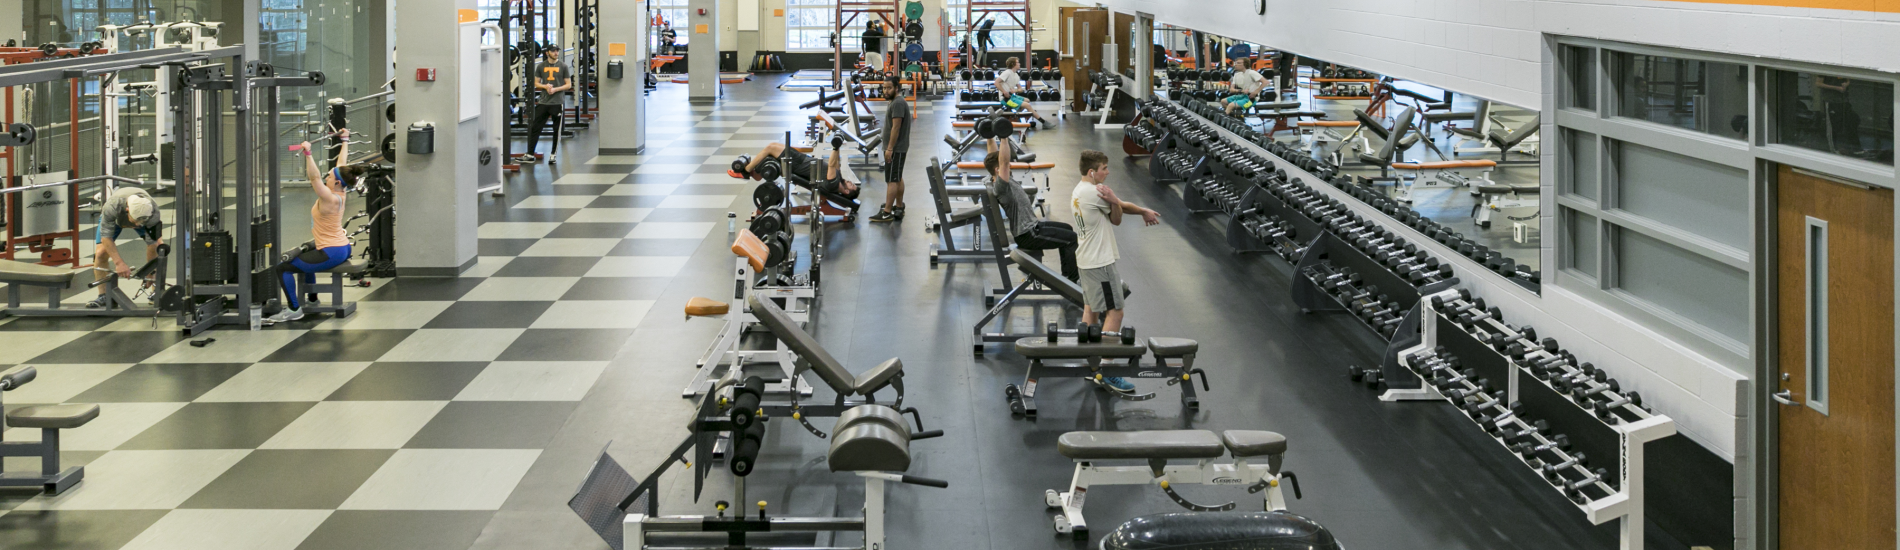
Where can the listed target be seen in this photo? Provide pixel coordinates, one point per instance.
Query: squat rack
(887, 11)
(1017, 10)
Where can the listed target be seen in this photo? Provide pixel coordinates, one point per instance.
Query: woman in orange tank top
(330, 242)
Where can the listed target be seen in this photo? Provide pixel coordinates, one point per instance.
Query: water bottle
(732, 223)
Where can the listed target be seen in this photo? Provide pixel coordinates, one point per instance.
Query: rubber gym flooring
(462, 413)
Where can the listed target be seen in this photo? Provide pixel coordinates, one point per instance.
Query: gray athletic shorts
(1101, 288)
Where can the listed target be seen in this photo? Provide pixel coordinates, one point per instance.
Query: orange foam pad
(973, 165)
(1329, 123)
(973, 124)
(698, 306)
(749, 246)
(1445, 164)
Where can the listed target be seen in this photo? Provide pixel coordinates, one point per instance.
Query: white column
(703, 51)
(436, 231)
(623, 100)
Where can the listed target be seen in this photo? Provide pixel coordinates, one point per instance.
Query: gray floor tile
(575, 230)
(77, 347)
(547, 266)
(617, 288)
(429, 289)
(160, 383)
(230, 346)
(339, 345)
(626, 201)
(394, 381)
(141, 480)
(387, 315)
(74, 529)
(566, 345)
(272, 382)
(309, 479)
(397, 530)
(444, 479)
(489, 315)
(67, 324)
(502, 247)
(229, 530)
(218, 426)
(493, 425)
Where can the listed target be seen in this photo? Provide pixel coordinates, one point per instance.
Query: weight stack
(213, 261)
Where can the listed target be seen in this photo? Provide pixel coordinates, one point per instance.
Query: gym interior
(1225, 274)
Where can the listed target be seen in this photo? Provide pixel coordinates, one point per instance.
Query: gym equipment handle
(926, 435)
(19, 377)
(924, 481)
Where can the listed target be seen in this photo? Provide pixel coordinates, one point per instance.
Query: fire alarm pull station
(425, 75)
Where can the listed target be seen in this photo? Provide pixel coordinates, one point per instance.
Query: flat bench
(49, 419)
(1156, 448)
(1328, 123)
(974, 165)
(1101, 360)
(334, 288)
(1276, 529)
(972, 124)
(17, 275)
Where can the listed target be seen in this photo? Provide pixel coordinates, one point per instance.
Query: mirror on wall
(1467, 163)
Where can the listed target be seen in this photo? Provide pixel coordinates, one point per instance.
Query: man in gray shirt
(897, 119)
(1031, 233)
(552, 80)
(125, 207)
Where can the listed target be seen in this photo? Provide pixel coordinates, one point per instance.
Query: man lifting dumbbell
(1009, 86)
(1032, 234)
(126, 207)
(801, 166)
(1247, 85)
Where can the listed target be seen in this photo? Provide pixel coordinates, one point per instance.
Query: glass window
(1695, 195)
(672, 13)
(1697, 288)
(1704, 96)
(809, 24)
(1579, 245)
(1580, 74)
(1006, 34)
(1832, 114)
(1580, 164)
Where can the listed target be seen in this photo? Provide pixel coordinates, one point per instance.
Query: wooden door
(1834, 402)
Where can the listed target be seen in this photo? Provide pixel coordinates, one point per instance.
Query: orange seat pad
(698, 306)
(749, 246)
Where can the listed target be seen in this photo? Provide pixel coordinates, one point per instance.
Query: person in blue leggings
(326, 227)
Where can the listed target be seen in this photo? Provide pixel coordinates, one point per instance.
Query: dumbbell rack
(1535, 418)
(1330, 250)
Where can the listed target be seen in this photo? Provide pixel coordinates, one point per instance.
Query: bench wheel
(1053, 499)
(1062, 525)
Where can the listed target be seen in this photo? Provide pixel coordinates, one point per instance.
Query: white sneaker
(285, 316)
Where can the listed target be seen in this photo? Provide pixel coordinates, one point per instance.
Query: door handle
(1785, 397)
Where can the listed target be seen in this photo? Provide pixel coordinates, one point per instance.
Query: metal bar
(86, 179)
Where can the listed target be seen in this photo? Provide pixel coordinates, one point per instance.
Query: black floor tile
(396, 381)
(547, 266)
(160, 383)
(493, 425)
(711, 189)
(628, 201)
(657, 247)
(111, 347)
(55, 324)
(617, 288)
(566, 345)
(489, 315)
(695, 215)
(502, 247)
(673, 179)
(397, 530)
(74, 529)
(591, 230)
(497, 213)
(302, 479)
(588, 189)
(219, 426)
(423, 289)
(339, 345)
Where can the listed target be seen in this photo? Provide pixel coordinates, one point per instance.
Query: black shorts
(894, 168)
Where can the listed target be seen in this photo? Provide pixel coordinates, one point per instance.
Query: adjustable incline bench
(1158, 448)
(1034, 273)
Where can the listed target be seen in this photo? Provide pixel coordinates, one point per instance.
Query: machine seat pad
(1172, 347)
(876, 414)
(869, 447)
(1293, 114)
(878, 377)
(749, 246)
(975, 165)
(1246, 443)
(59, 417)
(346, 268)
(1038, 347)
(966, 213)
(31, 273)
(1329, 123)
(1277, 106)
(972, 124)
(701, 306)
(972, 115)
(1164, 444)
(1446, 164)
(1508, 188)
(978, 105)
(1450, 116)
(1049, 278)
(1227, 531)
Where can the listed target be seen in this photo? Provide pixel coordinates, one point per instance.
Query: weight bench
(973, 115)
(978, 105)
(335, 305)
(749, 270)
(50, 419)
(1100, 360)
(1158, 448)
(1286, 120)
(1506, 199)
(19, 275)
(1450, 172)
(852, 390)
(952, 215)
(1034, 273)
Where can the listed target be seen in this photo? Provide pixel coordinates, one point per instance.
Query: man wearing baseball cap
(126, 207)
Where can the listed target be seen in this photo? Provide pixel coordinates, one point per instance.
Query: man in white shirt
(1247, 85)
(1009, 86)
(1097, 211)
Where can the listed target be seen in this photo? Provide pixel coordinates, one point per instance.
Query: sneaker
(286, 316)
(1047, 125)
(898, 213)
(313, 299)
(97, 303)
(884, 215)
(1119, 384)
(526, 159)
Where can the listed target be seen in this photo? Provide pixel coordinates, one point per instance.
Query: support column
(702, 21)
(435, 233)
(623, 101)
(1144, 56)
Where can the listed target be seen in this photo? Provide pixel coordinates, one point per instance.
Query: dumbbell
(1472, 317)
(1606, 410)
(1554, 472)
(1574, 490)
(1090, 334)
(1529, 449)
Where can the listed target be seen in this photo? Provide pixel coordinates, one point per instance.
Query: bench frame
(118, 304)
(1263, 477)
(50, 478)
(337, 305)
(725, 349)
(1091, 366)
(1002, 298)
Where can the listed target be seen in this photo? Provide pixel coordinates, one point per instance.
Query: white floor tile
(638, 266)
(555, 201)
(444, 479)
(571, 247)
(229, 530)
(533, 381)
(611, 215)
(231, 346)
(486, 266)
(515, 230)
(455, 344)
(590, 179)
(18, 347)
(615, 159)
(284, 382)
(698, 201)
(117, 423)
(519, 289)
(671, 230)
(59, 383)
(142, 480)
(141, 324)
(594, 314)
(667, 169)
(388, 315)
(640, 189)
(356, 425)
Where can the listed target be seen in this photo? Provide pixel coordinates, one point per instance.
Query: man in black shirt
(552, 79)
(896, 146)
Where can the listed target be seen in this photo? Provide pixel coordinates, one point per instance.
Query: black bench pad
(1173, 347)
(1164, 444)
(1246, 443)
(1038, 347)
(59, 417)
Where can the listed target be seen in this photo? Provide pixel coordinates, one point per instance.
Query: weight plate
(914, 52)
(914, 10)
